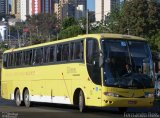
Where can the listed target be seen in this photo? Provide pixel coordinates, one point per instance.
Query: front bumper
(127, 102)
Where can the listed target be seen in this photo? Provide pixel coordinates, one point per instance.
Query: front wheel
(18, 98)
(81, 102)
(27, 98)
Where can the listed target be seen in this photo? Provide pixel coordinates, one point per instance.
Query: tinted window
(46, 54)
(11, 59)
(5, 57)
(39, 56)
(18, 58)
(28, 57)
(59, 52)
(72, 51)
(65, 52)
(93, 61)
(77, 51)
(52, 50)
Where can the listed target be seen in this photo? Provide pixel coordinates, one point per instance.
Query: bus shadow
(63, 107)
(95, 110)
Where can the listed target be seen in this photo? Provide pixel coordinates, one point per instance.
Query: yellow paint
(64, 79)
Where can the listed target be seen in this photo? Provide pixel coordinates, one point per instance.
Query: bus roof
(98, 36)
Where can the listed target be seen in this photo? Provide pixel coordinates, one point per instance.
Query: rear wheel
(27, 98)
(81, 102)
(122, 109)
(18, 98)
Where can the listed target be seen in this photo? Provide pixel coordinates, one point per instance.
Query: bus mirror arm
(101, 58)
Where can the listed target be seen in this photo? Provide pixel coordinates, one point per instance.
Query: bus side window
(65, 52)
(9, 60)
(59, 52)
(18, 58)
(46, 54)
(39, 56)
(51, 57)
(81, 50)
(5, 58)
(77, 51)
(12, 59)
(93, 60)
(28, 57)
(72, 51)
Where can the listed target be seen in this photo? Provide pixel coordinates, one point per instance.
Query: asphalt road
(8, 109)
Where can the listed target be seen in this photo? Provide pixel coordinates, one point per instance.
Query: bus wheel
(81, 102)
(18, 98)
(27, 98)
(122, 109)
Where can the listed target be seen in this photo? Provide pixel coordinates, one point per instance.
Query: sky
(91, 4)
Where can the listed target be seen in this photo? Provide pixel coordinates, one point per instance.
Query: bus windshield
(127, 64)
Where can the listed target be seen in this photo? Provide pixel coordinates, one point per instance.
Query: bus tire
(122, 109)
(81, 101)
(18, 98)
(27, 98)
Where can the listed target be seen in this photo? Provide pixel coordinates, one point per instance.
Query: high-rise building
(16, 8)
(36, 7)
(81, 8)
(70, 8)
(103, 7)
(56, 7)
(48, 6)
(23, 10)
(42, 6)
(4, 6)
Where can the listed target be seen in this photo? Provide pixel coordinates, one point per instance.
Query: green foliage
(3, 46)
(140, 17)
(42, 26)
(71, 27)
(71, 31)
(155, 41)
(67, 22)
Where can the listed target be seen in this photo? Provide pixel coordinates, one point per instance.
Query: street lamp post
(87, 22)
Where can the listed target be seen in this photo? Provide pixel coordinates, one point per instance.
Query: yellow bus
(101, 70)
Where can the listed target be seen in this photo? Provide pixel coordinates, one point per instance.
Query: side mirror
(101, 59)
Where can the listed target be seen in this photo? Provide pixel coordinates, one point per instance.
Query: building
(48, 6)
(103, 7)
(3, 31)
(24, 9)
(56, 7)
(4, 6)
(36, 7)
(70, 8)
(81, 8)
(16, 8)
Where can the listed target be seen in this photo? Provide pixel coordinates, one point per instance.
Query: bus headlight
(111, 94)
(149, 95)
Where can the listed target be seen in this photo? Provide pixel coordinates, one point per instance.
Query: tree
(42, 26)
(70, 27)
(155, 42)
(70, 32)
(67, 22)
(140, 17)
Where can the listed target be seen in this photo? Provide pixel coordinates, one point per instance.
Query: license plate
(132, 102)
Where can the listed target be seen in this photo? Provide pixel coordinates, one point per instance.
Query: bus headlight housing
(111, 94)
(149, 95)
